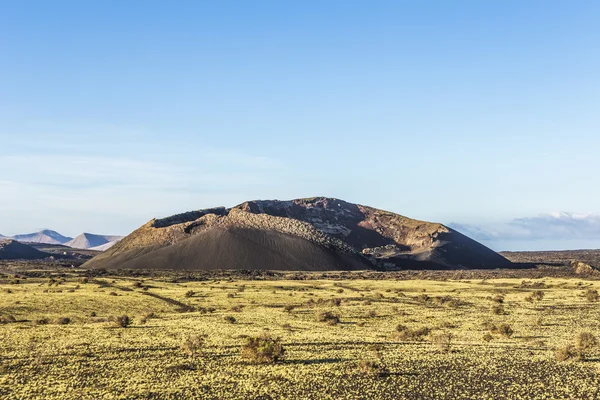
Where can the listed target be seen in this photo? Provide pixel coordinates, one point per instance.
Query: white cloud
(559, 230)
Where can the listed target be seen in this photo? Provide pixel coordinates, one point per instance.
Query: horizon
(482, 117)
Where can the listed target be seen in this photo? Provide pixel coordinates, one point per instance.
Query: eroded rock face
(364, 237)
(581, 268)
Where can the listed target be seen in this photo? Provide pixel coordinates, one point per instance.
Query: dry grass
(181, 346)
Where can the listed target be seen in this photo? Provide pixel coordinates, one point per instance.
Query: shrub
(585, 341)
(568, 352)
(7, 319)
(180, 367)
(262, 349)
(230, 319)
(146, 317)
(192, 345)
(537, 295)
(499, 299)
(289, 308)
(442, 341)
(592, 295)
(63, 321)
(498, 309)
(372, 368)
(502, 330)
(123, 321)
(336, 302)
(423, 298)
(487, 337)
(190, 293)
(328, 317)
(405, 333)
(41, 321)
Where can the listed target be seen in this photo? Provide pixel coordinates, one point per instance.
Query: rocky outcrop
(581, 268)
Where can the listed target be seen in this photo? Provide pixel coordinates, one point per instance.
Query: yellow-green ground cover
(90, 357)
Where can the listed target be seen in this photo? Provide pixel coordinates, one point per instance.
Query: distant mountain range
(45, 236)
(87, 241)
(93, 242)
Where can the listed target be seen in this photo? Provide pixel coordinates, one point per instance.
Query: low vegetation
(301, 337)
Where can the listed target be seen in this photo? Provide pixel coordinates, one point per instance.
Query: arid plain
(67, 335)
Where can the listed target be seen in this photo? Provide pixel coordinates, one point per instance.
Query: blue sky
(476, 113)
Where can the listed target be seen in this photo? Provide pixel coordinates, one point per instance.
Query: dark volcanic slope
(241, 248)
(305, 234)
(13, 250)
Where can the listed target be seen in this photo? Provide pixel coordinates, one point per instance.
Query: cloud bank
(553, 231)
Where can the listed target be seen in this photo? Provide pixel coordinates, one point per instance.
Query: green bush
(262, 349)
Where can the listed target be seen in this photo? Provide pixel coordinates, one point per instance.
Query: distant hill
(105, 246)
(46, 236)
(93, 241)
(311, 234)
(13, 250)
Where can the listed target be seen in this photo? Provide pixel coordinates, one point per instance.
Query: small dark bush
(585, 341)
(262, 349)
(230, 319)
(592, 295)
(487, 337)
(289, 308)
(328, 317)
(537, 295)
(63, 321)
(498, 309)
(502, 330)
(123, 321)
(7, 319)
(372, 368)
(405, 333)
(568, 353)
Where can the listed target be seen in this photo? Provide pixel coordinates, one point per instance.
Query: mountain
(46, 236)
(105, 246)
(12, 250)
(317, 233)
(93, 241)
